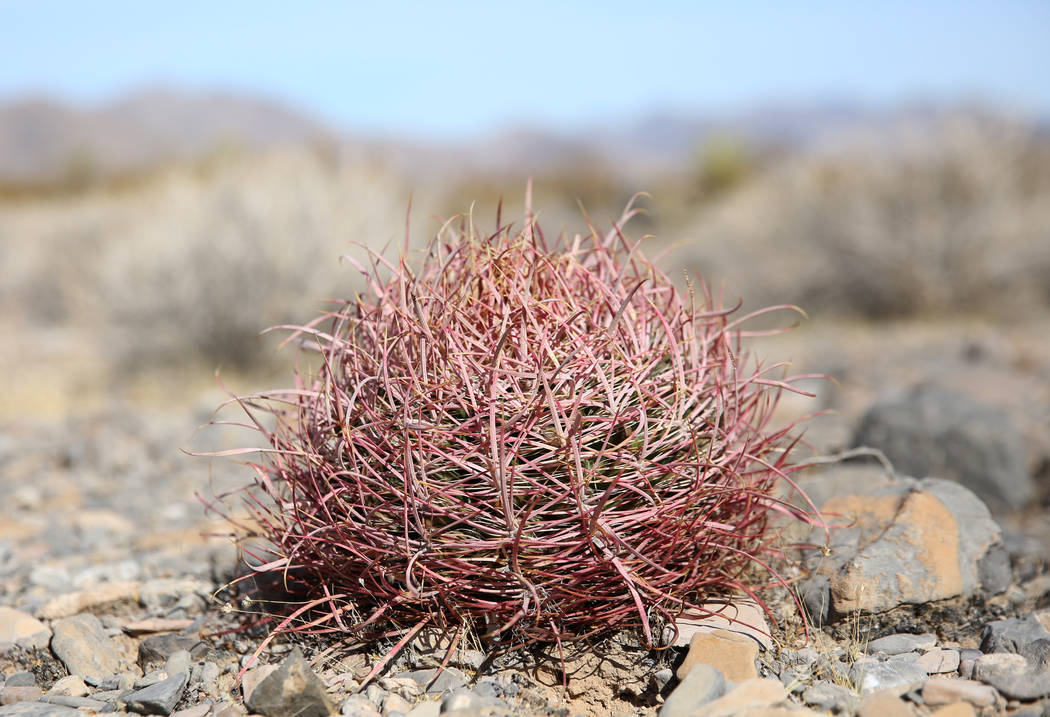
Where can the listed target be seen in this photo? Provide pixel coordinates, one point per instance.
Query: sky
(458, 68)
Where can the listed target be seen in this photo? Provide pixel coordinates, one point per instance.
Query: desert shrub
(940, 217)
(191, 265)
(539, 441)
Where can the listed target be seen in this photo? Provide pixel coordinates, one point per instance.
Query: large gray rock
(934, 431)
(81, 644)
(907, 542)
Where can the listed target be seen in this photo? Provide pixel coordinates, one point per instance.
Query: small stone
(733, 655)
(743, 617)
(897, 675)
(72, 686)
(805, 656)
(999, 663)
(38, 709)
(291, 689)
(901, 643)
(749, 697)
(958, 709)
(967, 659)
(404, 686)
(159, 698)
(1011, 676)
(179, 661)
(20, 693)
(87, 703)
(153, 625)
(359, 706)
(156, 649)
(701, 685)
(151, 678)
(944, 691)
(253, 678)
(939, 661)
(163, 593)
(828, 696)
(396, 703)
(426, 709)
(662, 677)
(1025, 636)
(20, 679)
(228, 709)
(200, 710)
(884, 704)
(435, 683)
(473, 659)
(23, 629)
(459, 700)
(88, 600)
(81, 644)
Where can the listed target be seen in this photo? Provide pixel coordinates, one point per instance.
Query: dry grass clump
(536, 440)
(945, 217)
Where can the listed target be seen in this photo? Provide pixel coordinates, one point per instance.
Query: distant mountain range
(43, 139)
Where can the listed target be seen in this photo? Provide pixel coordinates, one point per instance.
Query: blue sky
(453, 69)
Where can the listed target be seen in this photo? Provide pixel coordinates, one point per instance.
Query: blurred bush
(946, 216)
(193, 264)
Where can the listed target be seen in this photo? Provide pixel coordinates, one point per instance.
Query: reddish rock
(732, 654)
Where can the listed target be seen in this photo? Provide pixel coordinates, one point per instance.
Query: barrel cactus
(530, 439)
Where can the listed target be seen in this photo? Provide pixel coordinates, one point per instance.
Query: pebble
(156, 649)
(71, 685)
(941, 691)
(1024, 636)
(359, 706)
(21, 628)
(748, 697)
(84, 601)
(959, 709)
(901, 643)
(20, 679)
(459, 700)
(82, 646)
(1012, 676)
(253, 678)
(425, 709)
(87, 703)
(897, 675)
(939, 661)
(732, 654)
(396, 703)
(884, 704)
(156, 624)
(177, 662)
(20, 693)
(967, 659)
(742, 617)
(38, 709)
(159, 698)
(828, 696)
(200, 710)
(435, 683)
(701, 685)
(291, 689)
